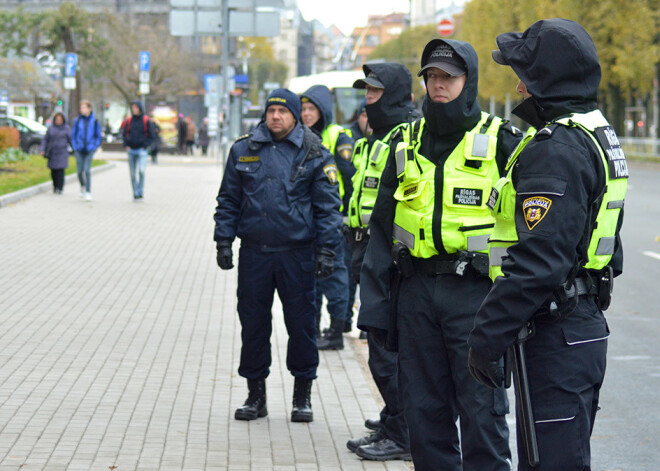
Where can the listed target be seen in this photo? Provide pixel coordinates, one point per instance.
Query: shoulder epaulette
(244, 136)
(506, 124)
(546, 132)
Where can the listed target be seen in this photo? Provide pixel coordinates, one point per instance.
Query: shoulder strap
(145, 120)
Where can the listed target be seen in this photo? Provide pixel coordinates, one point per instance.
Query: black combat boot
(255, 404)
(333, 338)
(302, 401)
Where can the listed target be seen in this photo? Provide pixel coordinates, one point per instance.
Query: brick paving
(119, 341)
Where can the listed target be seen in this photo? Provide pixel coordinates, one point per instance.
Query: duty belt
(452, 264)
(359, 233)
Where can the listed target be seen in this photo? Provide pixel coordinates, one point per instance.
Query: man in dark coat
(279, 196)
(556, 244)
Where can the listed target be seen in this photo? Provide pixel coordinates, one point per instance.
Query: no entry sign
(445, 27)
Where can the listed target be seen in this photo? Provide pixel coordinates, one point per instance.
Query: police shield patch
(345, 151)
(331, 172)
(535, 209)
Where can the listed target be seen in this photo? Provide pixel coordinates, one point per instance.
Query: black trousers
(435, 316)
(58, 178)
(566, 367)
(384, 369)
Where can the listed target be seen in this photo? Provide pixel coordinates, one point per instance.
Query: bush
(9, 138)
(12, 155)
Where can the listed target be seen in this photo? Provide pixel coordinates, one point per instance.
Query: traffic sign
(69, 83)
(70, 64)
(4, 97)
(145, 61)
(445, 27)
(144, 76)
(144, 88)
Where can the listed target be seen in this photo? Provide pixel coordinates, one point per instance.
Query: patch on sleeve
(345, 151)
(332, 174)
(535, 209)
(248, 158)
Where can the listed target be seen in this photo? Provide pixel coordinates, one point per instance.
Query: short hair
(86, 102)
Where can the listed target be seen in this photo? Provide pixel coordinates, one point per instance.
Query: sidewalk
(119, 341)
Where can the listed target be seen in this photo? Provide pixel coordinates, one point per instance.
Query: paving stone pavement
(119, 341)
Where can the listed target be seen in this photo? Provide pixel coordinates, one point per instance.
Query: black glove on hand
(225, 255)
(488, 372)
(325, 263)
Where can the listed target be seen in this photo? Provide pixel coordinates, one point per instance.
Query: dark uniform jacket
(321, 97)
(561, 164)
(445, 127)
(260, 204)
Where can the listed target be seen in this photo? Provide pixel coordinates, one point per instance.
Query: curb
(25, 193)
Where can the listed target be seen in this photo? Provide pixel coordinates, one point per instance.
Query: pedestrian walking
(556, 246)
(191, 130)
(181, 133)
(137, 132)
(431, 219)
(86, 137)
(155, 143)
(203, 136)
(279, 196)
(55, 148)
(338, 288)
(389, 106)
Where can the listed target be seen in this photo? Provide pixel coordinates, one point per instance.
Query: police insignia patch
(345, 151)
(332, 174)
(535, 209)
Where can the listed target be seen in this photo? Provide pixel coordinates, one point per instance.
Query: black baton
(522, 390)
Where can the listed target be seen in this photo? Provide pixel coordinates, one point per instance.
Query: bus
(340, 82)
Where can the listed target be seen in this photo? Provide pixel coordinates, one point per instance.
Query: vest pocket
(417, 195)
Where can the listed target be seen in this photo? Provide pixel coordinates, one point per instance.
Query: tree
(262, 65)
(407, 50)
(624, 31)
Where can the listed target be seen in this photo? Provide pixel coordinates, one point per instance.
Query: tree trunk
(615, 109)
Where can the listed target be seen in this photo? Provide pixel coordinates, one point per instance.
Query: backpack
(145, 120)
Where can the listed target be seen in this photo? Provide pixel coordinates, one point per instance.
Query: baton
(522, 389)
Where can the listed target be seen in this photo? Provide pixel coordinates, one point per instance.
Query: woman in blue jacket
(86, 139)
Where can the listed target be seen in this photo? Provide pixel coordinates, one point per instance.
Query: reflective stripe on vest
(329, 136)
(369, 162)
(602, 241)
(468, 175)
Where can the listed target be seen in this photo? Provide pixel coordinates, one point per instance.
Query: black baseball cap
(444, 58)
(371, 79)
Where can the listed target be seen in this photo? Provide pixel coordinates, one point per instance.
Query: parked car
(31, 131)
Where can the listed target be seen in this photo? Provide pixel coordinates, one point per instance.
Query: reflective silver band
(480, 145)
(477, 243)
(605, 246)
(400, 161)
(365, 218)
(402, 235)
(496, 256)
(376, 151)
(618, 204)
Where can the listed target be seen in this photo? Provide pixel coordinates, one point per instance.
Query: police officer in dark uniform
(279, 196)
(431, 218)
(338, 288)
(389, 107)
(556, 246)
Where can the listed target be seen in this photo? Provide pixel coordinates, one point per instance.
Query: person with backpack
(86, 138)
(137, 132)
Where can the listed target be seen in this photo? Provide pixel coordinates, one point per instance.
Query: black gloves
(325, 263)
(488, 372)
(225, 255)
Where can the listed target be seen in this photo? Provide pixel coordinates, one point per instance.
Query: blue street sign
(70, 64)
(211, 83)
(145, 61)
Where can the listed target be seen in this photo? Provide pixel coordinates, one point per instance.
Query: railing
(648, 148)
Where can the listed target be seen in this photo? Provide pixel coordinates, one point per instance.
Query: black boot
(333, 339)
(302, 401)
(255, 404)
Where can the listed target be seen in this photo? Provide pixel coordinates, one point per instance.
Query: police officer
(556, 244)
(389, 107)
(360, 126)
(431, 216)
(279, 196)
(316, 113)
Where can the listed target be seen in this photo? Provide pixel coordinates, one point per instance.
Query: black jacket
(446, 124)
(557, 61)
(136, 134)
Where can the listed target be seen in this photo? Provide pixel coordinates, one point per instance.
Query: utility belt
(449, 264)
(355, 235)
(564, 300)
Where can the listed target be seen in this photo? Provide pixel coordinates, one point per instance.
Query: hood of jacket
(558, 62)
(395, 106)
(139, 105)
(321, 97)
(451, 120)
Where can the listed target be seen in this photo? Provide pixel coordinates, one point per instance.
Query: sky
(347, 14)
